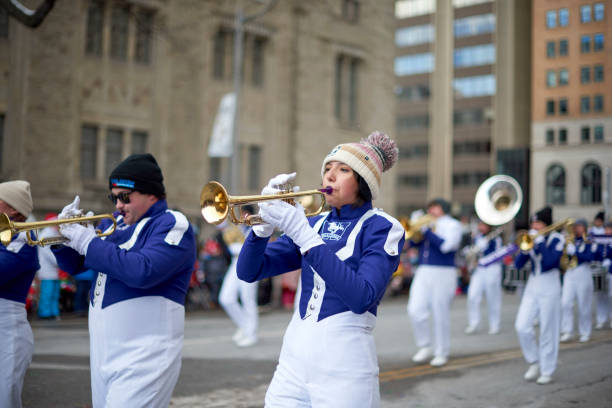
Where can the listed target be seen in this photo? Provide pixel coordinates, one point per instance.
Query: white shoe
(438, 361)
(544, 379)
(422, 355)
(565, 337)
(470, 329)
(532, 372)
(599, 326)
(247, 341)
(584, 339)
(493, 331)
(238, 336)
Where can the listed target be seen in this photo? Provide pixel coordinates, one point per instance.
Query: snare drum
(516, 278)
(600, 278)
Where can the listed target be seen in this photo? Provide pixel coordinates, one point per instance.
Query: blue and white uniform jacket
(439, 248)
(153, 257)
(544, 256)
(18, 265)
(586, 252)
(351, 270)
(491, 246)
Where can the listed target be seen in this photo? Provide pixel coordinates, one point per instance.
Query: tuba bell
(498, 200)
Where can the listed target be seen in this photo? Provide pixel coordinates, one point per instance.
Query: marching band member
(18, 266)
(601, 298)
(347, 257)
(434, 283)
(607, 262)
(541, 300)
(578, 284)
(485, 280)
(136, 314)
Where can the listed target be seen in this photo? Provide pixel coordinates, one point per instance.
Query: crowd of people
(132, 276)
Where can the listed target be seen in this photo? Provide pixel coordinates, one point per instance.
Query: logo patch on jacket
(333, 231)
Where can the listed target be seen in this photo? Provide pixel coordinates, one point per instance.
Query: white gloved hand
(265, 230)
(71, 210)
(281, 180)
(538, 240)
(570, 249)
(78, 235)
(482, 244)
(292, 221)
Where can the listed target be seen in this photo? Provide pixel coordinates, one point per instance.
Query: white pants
(16, 347)
(542, 300)
(135, 349)
(331, 363)
(432, 292)
(601, 307)
(243, 315)
(485, 280)
(577, 285)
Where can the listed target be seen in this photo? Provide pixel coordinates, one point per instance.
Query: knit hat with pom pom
(368, 158)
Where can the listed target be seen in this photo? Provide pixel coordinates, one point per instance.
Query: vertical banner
(221, 139)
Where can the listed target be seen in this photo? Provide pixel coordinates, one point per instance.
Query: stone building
(101, 79)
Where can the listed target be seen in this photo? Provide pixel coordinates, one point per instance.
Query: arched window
(555, 185)
(590, 193)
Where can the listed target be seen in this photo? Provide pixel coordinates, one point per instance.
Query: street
(483, 370)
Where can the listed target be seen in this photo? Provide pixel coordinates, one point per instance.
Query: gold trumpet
(413, 228)
(8, 228)
(525, 241)
(216, 204)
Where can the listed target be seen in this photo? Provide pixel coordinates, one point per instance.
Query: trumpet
(413, 228)
(525, 241)
(8, 228)
(217, 205)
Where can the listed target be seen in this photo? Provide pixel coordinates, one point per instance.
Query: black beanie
(445, 205)
(600, 216)
(139, 172)
(544, 215)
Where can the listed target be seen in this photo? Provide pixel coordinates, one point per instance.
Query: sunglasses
(123, 196)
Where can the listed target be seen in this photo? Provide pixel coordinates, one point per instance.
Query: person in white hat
(18, 265)
(347, 257)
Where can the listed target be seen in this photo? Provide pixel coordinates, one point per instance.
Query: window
(350, 10)
(585, 43)
(551, 79)
(114, 145)
(119, 32)
(598, 134)
(413, 8)
(550, 136)
(220, 41)
(413, 122)
(468, 117)
(550, 49)
(254, 167)
(563, 17)
(139, 141)
(585, 13)
(214, 168)
(144, 37)
(585, 134)
(347, 69)
(474, 55)
(550, 107)
(414, 151)
(598, 73)
(89, 148)
(598, 42)
(257, 75)
(585, 104)
(555, 185)
(466, 3)
(413, 180)
(563, 76)
(563, 106)
(413, 93)
(598, 12)
(591, 184)
(563, 48)
(474, 25)
(585, 75)
(414, 64)
(551, 18)
(563, 136)
(472, 147)
(409, 36)
(598, 103)
(469, 87)
(4, 23)
(95, 25)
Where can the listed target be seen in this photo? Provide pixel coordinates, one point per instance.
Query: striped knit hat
(368, 158)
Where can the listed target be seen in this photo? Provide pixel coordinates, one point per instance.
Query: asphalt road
(483, 371)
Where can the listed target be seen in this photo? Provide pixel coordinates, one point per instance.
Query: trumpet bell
(6, 234)
(214, 203)
(498, 200)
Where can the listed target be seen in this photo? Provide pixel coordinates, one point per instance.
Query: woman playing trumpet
(347, 257)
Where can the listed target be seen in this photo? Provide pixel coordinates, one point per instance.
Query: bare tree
(29, 18)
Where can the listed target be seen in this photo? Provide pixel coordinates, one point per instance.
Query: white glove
(71, 210)
(570, 249)
(292, 221)
(482, 244)
(78, 235)
(281, 180)
(538, 240)
(265, 230)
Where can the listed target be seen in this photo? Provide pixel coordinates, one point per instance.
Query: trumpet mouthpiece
(326, 190)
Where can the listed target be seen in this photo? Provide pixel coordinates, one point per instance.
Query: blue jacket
(439, 248)
(544, 256)
(153, 257)
(360, 253)
(586, 252)
(18, 265)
